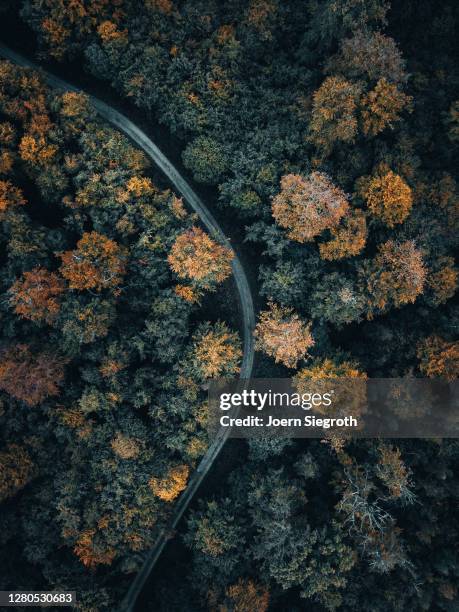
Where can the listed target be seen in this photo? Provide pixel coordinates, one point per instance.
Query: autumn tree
(318, 369)
(7, 146)
(392, 471)
(281, 334)
(216, 351)
(196, 257)
(29, 377)
(76, 111)
(172, 484)
(125, 447)
(442, 280)
(349, 392)
(369, 54)
(245, 596)
(8, 134)
(306, 207)
(397, 275)
(439, 358)
(334, 113)
(381, 107)
(92, 552)
(10, 196)
(348, 239)
(388, 197)
(97, 263)
(16, 470)
(37, 151)
(62, 24)
(36, 295)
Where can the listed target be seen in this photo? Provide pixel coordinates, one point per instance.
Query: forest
(324, 134)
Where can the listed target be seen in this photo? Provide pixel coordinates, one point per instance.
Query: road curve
(245, 297)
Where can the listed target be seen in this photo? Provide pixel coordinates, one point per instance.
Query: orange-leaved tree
(91, 551)
(97, 263)
(329, 368)
(388, 197)
(172, 484)
(10, 196)
(439, 358)
(30, 377)
(397, 275)
(348, 238)
(245, 596)
(442, 280)
(35, 296)
(280, 333)
(392, 470)
(348, 392)
(195, 256)
(216, 351)
(306, 207)
(334, 111)
(381, 107)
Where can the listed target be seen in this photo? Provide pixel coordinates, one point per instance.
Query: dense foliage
(103, 355)
(329, 130)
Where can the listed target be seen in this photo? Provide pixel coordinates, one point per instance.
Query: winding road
(181, 186)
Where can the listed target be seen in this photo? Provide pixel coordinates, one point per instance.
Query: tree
(333, 19)
(62, 24)
(337, 298)
(281, 334)
(285, 282)
(206, 159)
(215, 534)
(442, 280)
(29, 377)
(35, 296)
(393, 472)
(439, 358)
(388, 197)
(369, 54)
(125, 447)
(10, 196)
(195, 256)
(334, 113)
(381, 107)
(84, 323)
(92, 553)
(8, 134)
(308, 206)
(397, 275)
(170, 486)
(348, 238)
(350, 392)
(97, 263)
(329, 368)
(76, 111)
(216, 352)
(37, 151)
(16, 470)
(245, 596)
